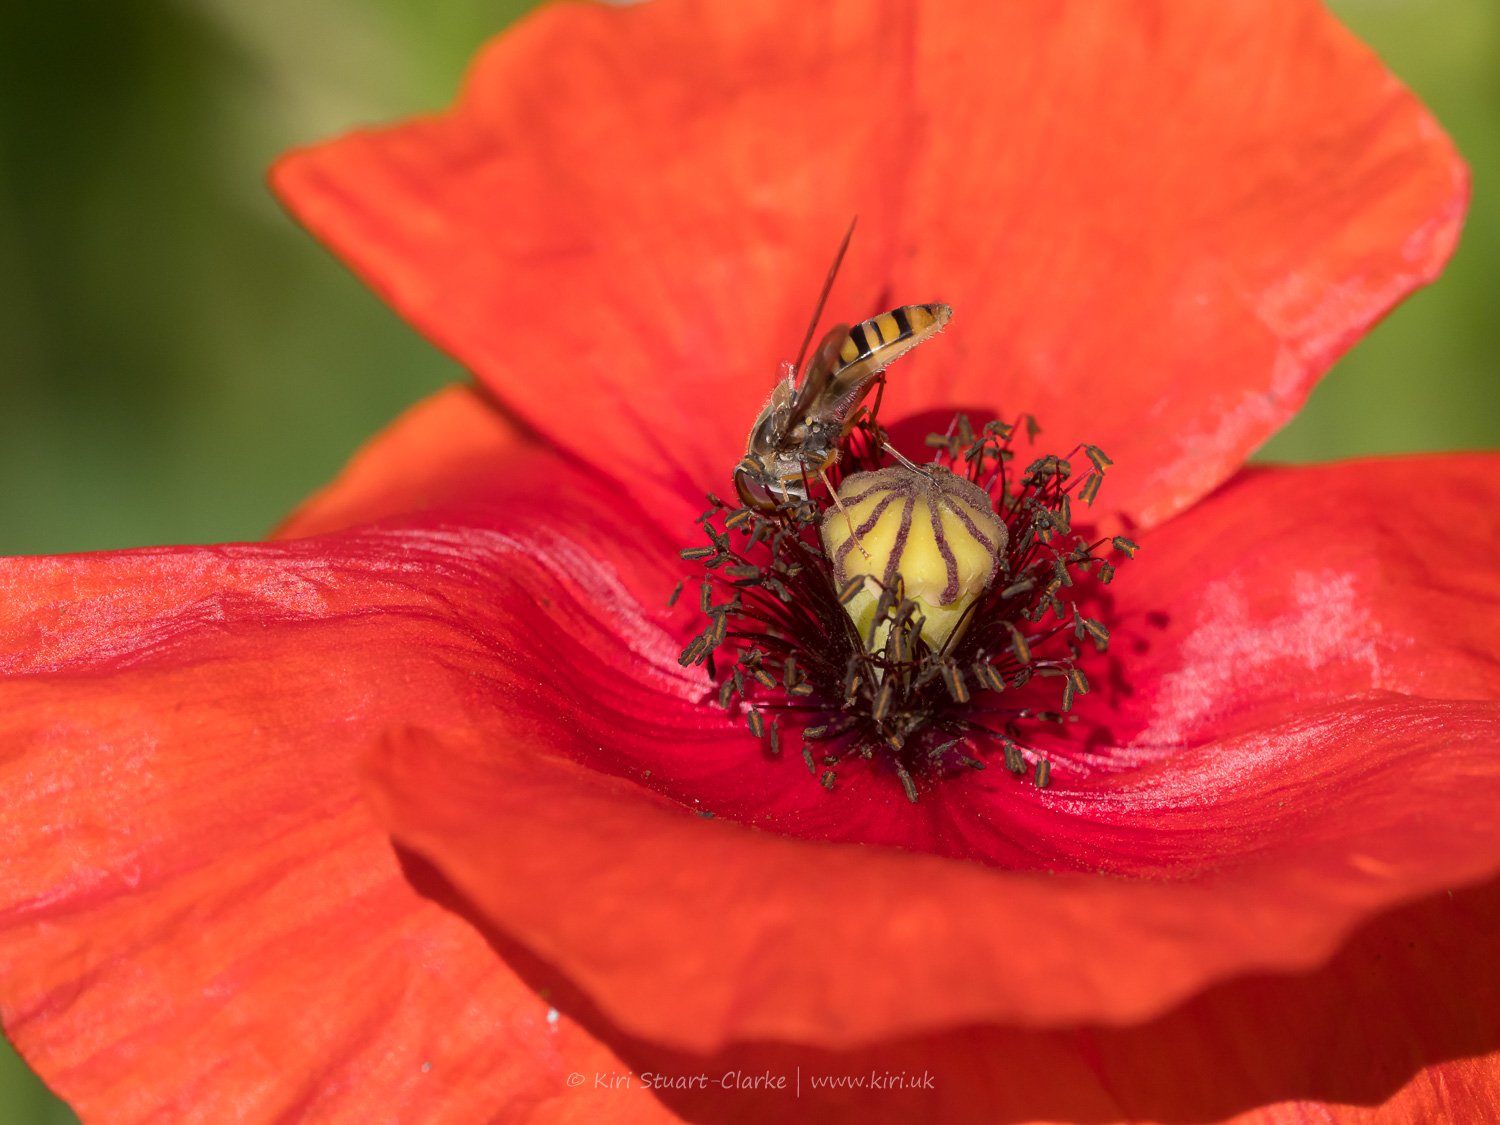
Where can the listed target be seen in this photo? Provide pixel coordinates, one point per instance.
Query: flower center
(932, 535)
(925, 621)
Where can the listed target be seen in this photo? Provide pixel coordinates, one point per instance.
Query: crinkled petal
(1158, 222)
(1264, 1051)
(199, 920)
(533, 616)
(1257, 845)
(1258, 1051)
(1292, 587)
(699, 932)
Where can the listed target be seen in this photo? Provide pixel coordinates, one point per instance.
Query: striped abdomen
(877, 342)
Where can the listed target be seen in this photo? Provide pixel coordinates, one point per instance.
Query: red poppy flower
(398, 816)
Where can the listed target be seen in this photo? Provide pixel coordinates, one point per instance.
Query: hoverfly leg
(925, 470)
(843, 511)
(879, 395)
(877, 434)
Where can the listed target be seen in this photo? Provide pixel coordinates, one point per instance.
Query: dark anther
(881, 697)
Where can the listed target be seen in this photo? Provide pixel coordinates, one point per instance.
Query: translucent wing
(812, 391)
(833, 272)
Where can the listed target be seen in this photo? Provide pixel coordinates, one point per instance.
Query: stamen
(909, 664)
(988, 678)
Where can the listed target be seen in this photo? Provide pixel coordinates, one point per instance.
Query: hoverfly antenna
(833, 272)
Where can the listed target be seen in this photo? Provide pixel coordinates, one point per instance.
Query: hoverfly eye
(753, 490)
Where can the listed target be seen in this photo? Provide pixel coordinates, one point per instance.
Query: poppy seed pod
(934, 533)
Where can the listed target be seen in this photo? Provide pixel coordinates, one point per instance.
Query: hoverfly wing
(813, 389)
(833, 272)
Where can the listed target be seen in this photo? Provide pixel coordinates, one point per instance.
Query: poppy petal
(697, 932)
(1262, 842)
(1253, 1051)
(198, 917)
(196, 601)
(1294, 587)
(1130, 233)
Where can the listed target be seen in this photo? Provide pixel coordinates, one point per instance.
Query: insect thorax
(790, 451)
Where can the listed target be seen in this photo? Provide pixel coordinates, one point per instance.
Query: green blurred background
(179, 363)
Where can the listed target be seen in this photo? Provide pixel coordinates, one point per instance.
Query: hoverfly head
(760, 487)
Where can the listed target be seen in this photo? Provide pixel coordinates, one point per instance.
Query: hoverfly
(798, 432)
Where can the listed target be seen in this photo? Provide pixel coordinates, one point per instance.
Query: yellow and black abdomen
(877, 342)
